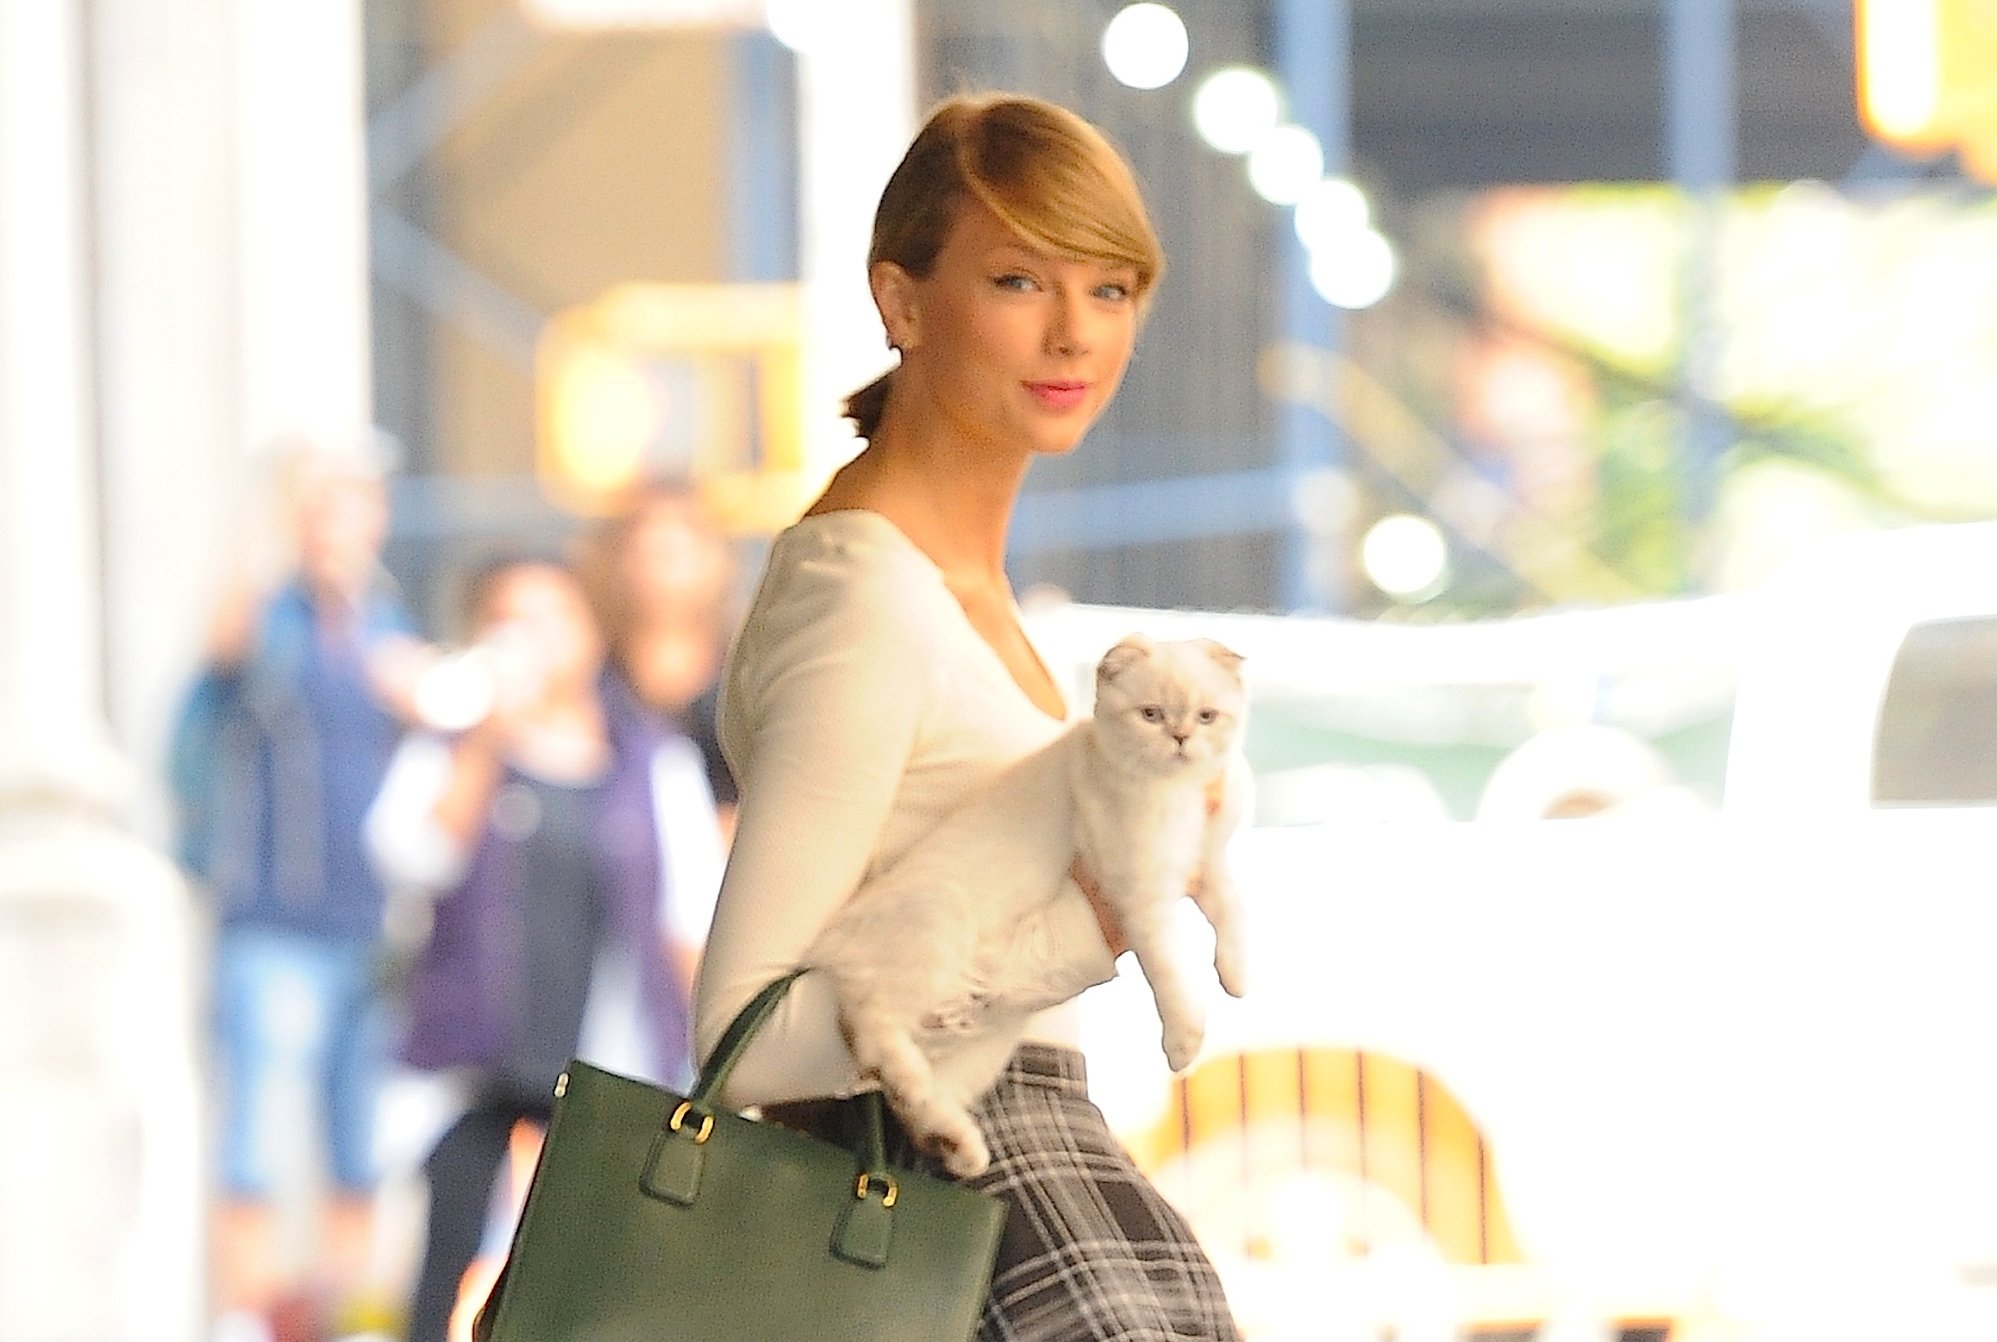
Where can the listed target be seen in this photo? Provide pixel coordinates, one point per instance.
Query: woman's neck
(956, 507)
(562, 738)
(670, 666)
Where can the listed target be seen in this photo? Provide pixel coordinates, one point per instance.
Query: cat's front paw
(1231, 964)
(1182, 1044)
(963, 1152)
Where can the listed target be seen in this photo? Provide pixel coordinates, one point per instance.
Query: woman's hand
(1112, 932)
(477, 768)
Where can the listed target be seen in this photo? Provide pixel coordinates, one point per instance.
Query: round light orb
(1284, 163)
(1405, 556)
(1145, 46)
(798, 24)
(1234, 107)
(1329, 210)
(1356, 270)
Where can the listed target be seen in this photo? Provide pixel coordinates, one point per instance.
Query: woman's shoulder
(845, 595)
(858, 536)
(853, 566)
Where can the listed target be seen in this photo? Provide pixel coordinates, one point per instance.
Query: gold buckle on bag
(706, 1124)
(894, 1190)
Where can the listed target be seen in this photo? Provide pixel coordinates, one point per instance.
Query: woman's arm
(824, 704)
(1099, 907)
(476, 768)
(691, 855)
(406, 841)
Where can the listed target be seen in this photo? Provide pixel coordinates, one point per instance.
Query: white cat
(928, 958)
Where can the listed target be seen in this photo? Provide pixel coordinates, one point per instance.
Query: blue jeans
(300, 1013)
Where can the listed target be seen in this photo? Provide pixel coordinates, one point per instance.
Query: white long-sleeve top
(859, 706)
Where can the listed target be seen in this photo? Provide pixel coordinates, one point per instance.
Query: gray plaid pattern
(1091, 1252)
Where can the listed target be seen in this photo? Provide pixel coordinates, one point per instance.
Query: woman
(663, 576)
(882, 674)
(572, 856)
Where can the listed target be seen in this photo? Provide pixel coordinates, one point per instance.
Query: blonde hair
(1046, 173)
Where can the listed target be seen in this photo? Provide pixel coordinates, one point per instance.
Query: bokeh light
(1234, 107)
(1899, 52)
(1355, 271)
(1405, 556)
(1330, 209)
(1284, 163)
(798, 24)
(1145, 46)
(602, 412)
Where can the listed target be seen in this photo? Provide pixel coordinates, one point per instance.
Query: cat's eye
(1209, 716)
(1152, 713)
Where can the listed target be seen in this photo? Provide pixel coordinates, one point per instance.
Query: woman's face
(538, 620)
(1011, 344)
(673, 563)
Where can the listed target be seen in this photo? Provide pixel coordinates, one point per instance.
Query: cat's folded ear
(1221, 653)
(1126, 654)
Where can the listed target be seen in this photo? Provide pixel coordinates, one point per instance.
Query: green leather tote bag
(655, 1217)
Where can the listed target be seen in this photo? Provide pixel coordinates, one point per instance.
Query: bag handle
(672, 1170)
(871, 1144)
(735, 1040)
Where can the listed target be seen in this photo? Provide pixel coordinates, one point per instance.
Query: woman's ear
(895, 299)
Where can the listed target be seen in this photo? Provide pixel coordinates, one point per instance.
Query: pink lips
(1058, 395)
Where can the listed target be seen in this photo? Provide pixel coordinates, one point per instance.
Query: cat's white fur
(929, 958)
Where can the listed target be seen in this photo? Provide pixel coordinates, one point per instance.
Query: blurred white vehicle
(1700, 1071)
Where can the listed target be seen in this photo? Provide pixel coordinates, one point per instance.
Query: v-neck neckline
(901, 538)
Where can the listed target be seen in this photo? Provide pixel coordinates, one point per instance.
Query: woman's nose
(1068, 326)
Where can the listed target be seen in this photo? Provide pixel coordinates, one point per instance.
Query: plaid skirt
(1090, 1252)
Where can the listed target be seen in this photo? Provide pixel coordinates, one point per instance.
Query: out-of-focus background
(1573, 410)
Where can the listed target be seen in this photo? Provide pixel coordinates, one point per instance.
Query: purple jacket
(460, 1009)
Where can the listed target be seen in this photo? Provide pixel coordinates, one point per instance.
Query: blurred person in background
(572, 855)
(279, 747)
(663, 576)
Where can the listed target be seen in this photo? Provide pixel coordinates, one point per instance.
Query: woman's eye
(1018, 284)
(1113, 292)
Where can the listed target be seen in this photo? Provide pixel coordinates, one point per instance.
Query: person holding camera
(570, 857)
